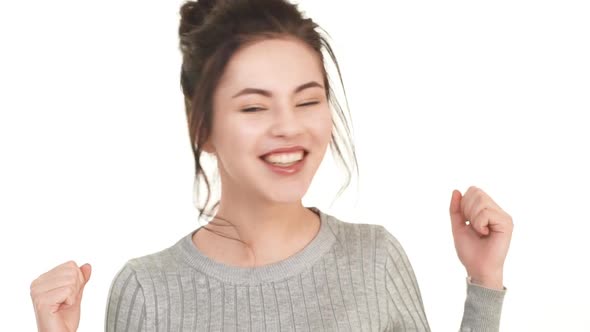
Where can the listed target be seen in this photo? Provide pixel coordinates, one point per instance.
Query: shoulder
(133, 290)
(367, 234)
(144, 269)
(342, 228)
(161, 261)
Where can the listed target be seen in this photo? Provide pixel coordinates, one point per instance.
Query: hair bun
(193, 13)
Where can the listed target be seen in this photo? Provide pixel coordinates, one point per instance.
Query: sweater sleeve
(406, 310)
(483, 307)
(126, 303)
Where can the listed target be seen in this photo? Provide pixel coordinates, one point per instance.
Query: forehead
(272, 64)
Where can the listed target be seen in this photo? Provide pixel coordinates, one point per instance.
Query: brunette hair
(210, 32)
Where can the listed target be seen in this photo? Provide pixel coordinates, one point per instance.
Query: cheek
(322, 126)
(235, 137)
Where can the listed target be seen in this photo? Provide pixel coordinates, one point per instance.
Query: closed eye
(309, 104)
(251, 109)
(254, 109)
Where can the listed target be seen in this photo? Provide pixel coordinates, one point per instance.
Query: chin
(286, 200)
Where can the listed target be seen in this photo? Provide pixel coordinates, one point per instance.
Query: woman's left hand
(482, 233)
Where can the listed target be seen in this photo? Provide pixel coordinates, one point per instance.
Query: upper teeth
(284, 158)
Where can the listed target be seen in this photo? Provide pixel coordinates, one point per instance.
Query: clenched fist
(56, 297)
(482, 233)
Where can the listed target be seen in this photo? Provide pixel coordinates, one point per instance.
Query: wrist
(492, 281)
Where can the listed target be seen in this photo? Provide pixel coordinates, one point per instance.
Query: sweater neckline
(277, 271)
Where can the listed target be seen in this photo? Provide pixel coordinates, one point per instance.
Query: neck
(257, 224)
(272, 231)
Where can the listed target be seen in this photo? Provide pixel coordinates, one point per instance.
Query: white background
(96, 164)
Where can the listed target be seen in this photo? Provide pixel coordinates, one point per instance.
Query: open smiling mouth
(285, 162)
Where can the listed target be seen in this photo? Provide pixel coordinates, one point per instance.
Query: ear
(208, 147)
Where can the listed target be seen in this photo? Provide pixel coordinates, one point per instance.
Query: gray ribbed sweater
(350, 277)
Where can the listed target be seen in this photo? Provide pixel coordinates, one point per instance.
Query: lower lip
(286, 170)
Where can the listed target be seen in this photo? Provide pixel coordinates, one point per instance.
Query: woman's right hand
(57, 295)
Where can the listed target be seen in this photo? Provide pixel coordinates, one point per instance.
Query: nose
(285, 122)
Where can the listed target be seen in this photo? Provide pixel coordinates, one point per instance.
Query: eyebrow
(269, 94)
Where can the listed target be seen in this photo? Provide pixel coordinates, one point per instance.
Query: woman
(258, 101)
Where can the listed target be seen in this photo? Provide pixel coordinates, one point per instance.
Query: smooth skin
(57, 295)
(482, 246)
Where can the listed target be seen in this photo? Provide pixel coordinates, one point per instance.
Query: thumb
(86, 272)
(457, 217)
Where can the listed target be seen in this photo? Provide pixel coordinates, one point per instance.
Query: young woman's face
(271, 96)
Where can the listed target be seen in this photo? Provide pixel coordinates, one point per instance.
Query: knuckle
(71, 264)
(71, 273)
(71, 280)
(33, 284)
(484, 216)
(478, 200)
(480, 194)
(70, 290)
(484, 213)
(478, 220)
